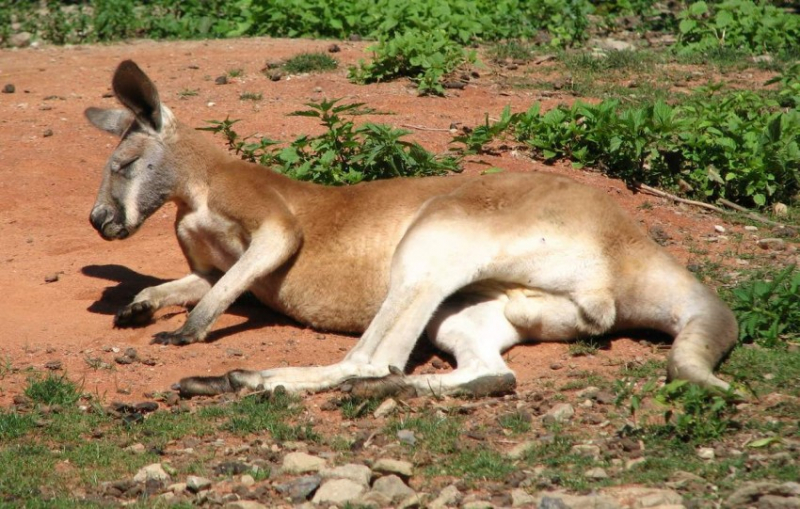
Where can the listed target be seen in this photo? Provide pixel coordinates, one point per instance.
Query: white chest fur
(210, 240)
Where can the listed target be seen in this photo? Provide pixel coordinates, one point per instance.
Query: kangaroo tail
(707, 335)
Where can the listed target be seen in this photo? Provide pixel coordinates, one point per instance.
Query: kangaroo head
(139, 176)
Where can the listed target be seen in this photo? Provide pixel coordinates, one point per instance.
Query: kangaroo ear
(135, 90)
(115, 122)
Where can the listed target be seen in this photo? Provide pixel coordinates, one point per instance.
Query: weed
(250, 96)
(516, 422)
(310, 62)
(13, 424)
(255, 413)
(768, 311)
(344, 153)
(583, 347)
(52, 390)
(235, 73)
(356, 408)
(188, 92)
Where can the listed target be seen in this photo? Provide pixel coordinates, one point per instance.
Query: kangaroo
(479, 263)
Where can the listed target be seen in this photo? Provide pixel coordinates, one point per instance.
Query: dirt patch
(61, 283)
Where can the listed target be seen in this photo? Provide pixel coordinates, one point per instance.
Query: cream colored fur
(480, 263)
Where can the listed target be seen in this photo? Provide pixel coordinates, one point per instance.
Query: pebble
(589, 450)
(150, 472)
(596, 473)
(393, 488)
(719, 228)
(244, 504)
(385, 409)
(338, 491)
(521, 498)
(390, 466)
(299, 489)
(357, 473)
(247, 480)
(9, 88)
(195, 484)
(520, 450)
(562, 412)
(407, 437)
(706, 453)
(300, 463)
(774, 244)
(51, 278)
(447, 497)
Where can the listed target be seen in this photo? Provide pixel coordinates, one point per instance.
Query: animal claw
(393, 384)
(134, 314)
(173, 338)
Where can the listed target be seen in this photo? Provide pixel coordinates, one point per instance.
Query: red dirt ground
(50, 167)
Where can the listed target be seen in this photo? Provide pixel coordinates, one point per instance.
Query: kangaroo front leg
(268, 250)
(182, 292)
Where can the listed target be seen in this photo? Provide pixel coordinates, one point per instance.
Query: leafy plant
(343, 153)
(52, 390)
(769, 310)
(704, 414)
(423, 56)
(741, 24)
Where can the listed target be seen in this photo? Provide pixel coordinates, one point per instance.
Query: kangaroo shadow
(129, 283)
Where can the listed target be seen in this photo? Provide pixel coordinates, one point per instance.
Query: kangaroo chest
(210, 241)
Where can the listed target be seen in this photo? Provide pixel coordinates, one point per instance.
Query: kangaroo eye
(123, 167)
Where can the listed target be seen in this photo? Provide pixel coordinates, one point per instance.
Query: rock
(244, 504)
(298, 490)
(780, 209)
(393, 488)
(561, 412)
(385, 409)
(389, 466)
(334, 48)
(765, 495)
(52, 277)
(559, 500)
(150, 472)
(447, 497)
(596, 473)
(590, 450)
(301, 463)
(719, 228)
(605, 397)
(772, 244)
(196, 484)
(46, 134)
(706, 453)
(247, 480)
(588, 392)
(9, 88)
(640, 498)
(136, 448)
(633, 463)
(338, 491)
(407, 436)
(751, 228)
(415, 501)
(357, 473)
(20, 40)
(53, 365)
(221, 80)
(520, 498)
(477, 504)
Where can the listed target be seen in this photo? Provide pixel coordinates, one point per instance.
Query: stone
(392, 487)
(559, 500)
(357, 473)
(301, 463)
(385, 409)
(338, 491)
(247, 480)
(640, 498)
(706, 453)
(766, 495)
(415, 501)
(772, 244)
(195, 483)
(635, 462)
(588, 392)
(589, 450)
(719, 228)
(447, 497)
(244, 504)
(561, 412)
(521, 498)
(152, 472)
(389, 466)
(20, 40)
(478, 504)
(596, 473)
(407, 436)
(298, 490)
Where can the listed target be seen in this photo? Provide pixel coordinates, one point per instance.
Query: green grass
(251, 96)
(310, 62)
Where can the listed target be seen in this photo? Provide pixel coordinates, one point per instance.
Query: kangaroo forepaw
(178, 338)
(135, 314)
(393, 384)
(232, 381)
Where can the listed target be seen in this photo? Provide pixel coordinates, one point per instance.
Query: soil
(61, 283)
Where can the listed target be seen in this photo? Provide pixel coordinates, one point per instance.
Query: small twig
(749, 213)
(738, 208)
(664, 194)
(423, 128)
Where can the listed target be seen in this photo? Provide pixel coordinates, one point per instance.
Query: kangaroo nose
(100, 215)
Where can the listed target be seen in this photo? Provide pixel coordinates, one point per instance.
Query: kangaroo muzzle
(104, 220)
